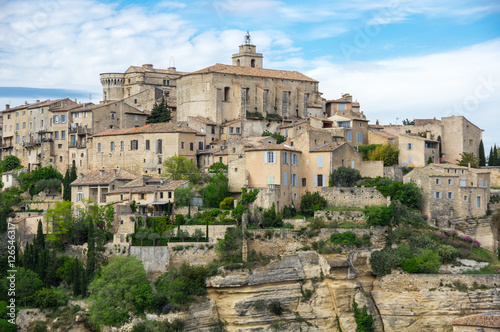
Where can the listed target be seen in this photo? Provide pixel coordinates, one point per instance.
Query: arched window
(238, 62)
(252, 63)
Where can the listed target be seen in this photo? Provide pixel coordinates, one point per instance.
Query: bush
(427, 262)
(271, 218)
(383, 261)
(276, 308)
(378, 215)
(344, 177)
(183, 196)
(447, 253)
(45, 298)
(227, 203)
(419, 243)
(48, 184)
(311, 203)
(364, 321)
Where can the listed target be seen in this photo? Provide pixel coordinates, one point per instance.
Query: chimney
(7, 107)
(115, 172)
(428, 134)
(147, 66)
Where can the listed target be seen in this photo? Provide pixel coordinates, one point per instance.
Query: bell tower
(247, 57)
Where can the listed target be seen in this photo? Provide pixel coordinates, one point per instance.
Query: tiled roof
(271, 147)
(254, 141)
(455, 166)
(432, 172)
(105, 176)
(328, 147)
(382, 133)
(490, 319)
(423, 122)
(230, 122)
(48, 103)
(203, 120)
(417, 136)
(15, 171)
(165, 127)
(255, 72)
(154, 70)
(314, 105)
(167, 186)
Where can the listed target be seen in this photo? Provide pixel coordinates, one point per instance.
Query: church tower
(247, 57)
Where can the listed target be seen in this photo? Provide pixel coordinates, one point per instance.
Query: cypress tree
(490, 157)
(91, 253)
(72, 175)
(496, 162)
(51, 278)
(482, 157)
(66, 187)
(440, 148)
(77, 279)
(83, 284)
(40, 237)
(160, 113)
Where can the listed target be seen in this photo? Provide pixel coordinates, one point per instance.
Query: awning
(158, 203)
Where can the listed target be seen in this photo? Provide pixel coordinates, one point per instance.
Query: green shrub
(344, 176)
(383, 261)
(276, 308)
(427, 262)
(378, 215)
(45, 298)
(419, 243)
(364, 321)
(227, 203)
(311, 203)
(344, 238)
(271, 218)
(447, 253)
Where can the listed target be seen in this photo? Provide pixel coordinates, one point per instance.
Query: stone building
(416, 151)
(245, 91)
(451, 192)
(354, 129)
(142, 150)
(343, 106)
(93, 186)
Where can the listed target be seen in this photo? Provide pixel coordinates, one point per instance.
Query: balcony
(7, 145)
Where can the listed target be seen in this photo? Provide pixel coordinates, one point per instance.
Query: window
(169, 194)
(410, 160)
(134, 144)
(17, 126)
(112, 147)
(136, 118)
(56, 135)
(304, 182)
(60, 158)
(226, 94)
(450, 195)
(159, 146)
(135, 101)
(349, 138)
(409, 146)
(439, 182)
(352, 164)
(213, 130)
(79, 197)
(359, 137)
(463, 182)
(182, 145)
(286, 132)
(98, 147)
(360, 125)
(341, 107)
(59, 146)
(231, 130)
(270, 179)
(63, 118)
(437, 195)
(480, 183)
(318, 180)
(320, 161)
(80, 188)
(159, 163)
(161, 194)
(295, 159)
(63, 134)
(270, 157)
(142, 196)
(451, 182)
(285, 158)
(24, 125)
(191, 146)
(113, 115)
(237, 130)
(478, 202)
(147, 144)
(122, 145)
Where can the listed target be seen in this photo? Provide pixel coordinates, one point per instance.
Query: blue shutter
(265, 158)
(285, 179)
(315, 180)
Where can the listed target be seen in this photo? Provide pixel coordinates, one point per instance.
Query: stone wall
(494, 175)
(185, 209)
(353, 196)
(395, 173)
(371, 169)
(340, 216)
(154, 259)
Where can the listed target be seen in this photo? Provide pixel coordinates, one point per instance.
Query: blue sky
(399, 59)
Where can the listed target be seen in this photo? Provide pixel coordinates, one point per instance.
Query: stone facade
(354, 196)
(415, 151)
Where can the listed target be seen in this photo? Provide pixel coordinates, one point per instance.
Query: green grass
(495, 187)
(349, 224)
(298, 216)
(342, 208)
(485, 270)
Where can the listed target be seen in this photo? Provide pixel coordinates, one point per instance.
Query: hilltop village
(295, 196)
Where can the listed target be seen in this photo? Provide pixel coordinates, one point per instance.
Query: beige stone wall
(353, 196)
(372, 169)
(459, 135)
(419, 153)
(237, 174)
(141, 161)
(494, 176)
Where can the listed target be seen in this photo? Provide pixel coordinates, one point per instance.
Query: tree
(312, 202)
(48, 185)
(8, 199)
(272, 219)
(491, 158)
(160, 113)
(183, 195)
(482, 157)
(39, 240)
(440, 146)
(217, 167)
(216, 191)
(496, 161)
(344, 177)
(27, 181)
(121, 287)
(468, 158)
(59, 219)
(9, 163)
(279, 138)
(27, 283)
(66, 187)
(407, 122)
(181, 168)
(388, 153)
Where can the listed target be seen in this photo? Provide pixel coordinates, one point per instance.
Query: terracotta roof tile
(230, 122)
(166, 127)
(141, 69)
(382, 133)
(48, 103)
(271, 147)
(105, 176)
(167, 186)
(328, 147)
(256, 72)
(203, 120)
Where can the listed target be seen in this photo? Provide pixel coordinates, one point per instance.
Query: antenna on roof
(90, 97)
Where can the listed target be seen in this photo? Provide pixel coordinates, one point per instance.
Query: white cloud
(461, 82)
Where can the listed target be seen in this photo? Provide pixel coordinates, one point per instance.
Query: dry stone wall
(353, 196)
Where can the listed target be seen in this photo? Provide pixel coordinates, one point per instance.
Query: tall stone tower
(112, 86)
(247, 57)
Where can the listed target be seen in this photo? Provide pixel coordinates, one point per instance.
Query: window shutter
(315, 180)
(325, 180)
(320, 161)
(452, 195)
(274, 157)
(286, 177)
(265, 158)
(452, 182)
(352, 164)
(440, 195)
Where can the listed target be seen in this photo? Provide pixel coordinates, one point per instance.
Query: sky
(399, 59)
